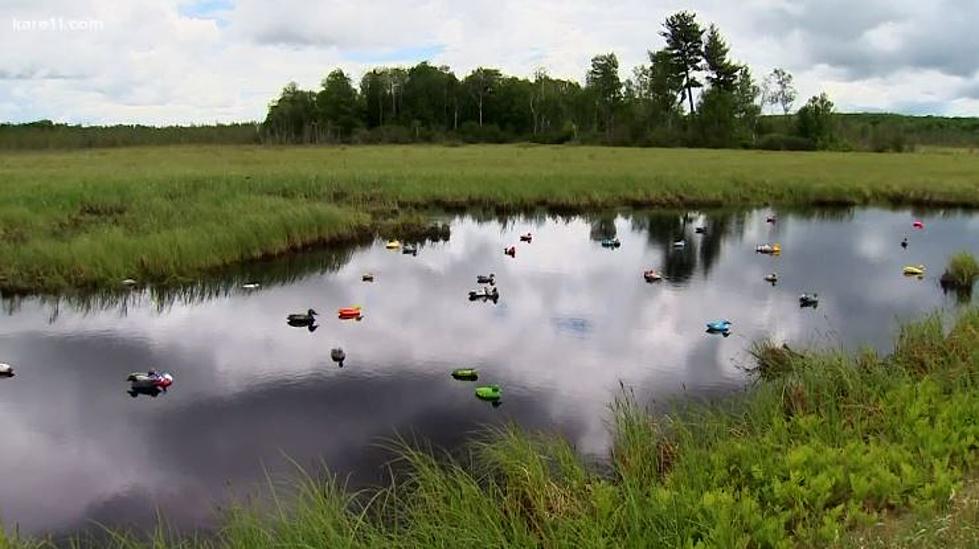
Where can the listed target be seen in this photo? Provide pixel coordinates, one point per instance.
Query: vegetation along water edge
(90, 218)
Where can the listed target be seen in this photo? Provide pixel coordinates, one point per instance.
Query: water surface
(574, 321)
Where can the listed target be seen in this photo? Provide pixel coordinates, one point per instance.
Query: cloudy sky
(187, 61)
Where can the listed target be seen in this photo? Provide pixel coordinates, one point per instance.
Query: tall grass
(833, 445)
(166, 214)
(962, 270)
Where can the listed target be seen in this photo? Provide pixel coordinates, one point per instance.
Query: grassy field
(832, 450)
(83, 219)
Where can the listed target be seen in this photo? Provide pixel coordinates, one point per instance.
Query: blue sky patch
(205, 9)
(389, 55)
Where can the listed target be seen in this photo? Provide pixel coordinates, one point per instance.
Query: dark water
(574, 320)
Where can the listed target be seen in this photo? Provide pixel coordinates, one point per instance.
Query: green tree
(291, 117)
(429, 96)
(685, 43)
(780, 90)
(603, 82)
(480, 84)
(722, 73)
(815, 121)
(338, 106)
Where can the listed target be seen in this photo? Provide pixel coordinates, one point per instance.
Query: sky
(204, 61)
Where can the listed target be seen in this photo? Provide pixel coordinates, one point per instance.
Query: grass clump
(962, 270)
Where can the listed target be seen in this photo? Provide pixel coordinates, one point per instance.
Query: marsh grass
(84, 219)
(962, 270)
(819, 455)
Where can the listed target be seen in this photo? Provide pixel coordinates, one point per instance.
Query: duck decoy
(302, 318)
(526, 237)
(465, 374)
(511, 251)
(150, 380)
(770, 219)
(772, 278)
(129, 283)
(409, 250)
(350, 313)
(770, 249)
(678, 244)
(722, 327)
(392, 245)
(918, 224)
(809, 300)
(700, 230)
(611, 243)
(485, 294)
(368, 277)
(6, 370)
(486, 279)
(904, 243)
(251, 285)
(489, 393)
(915, 270)
(337, 355)
(652, 276)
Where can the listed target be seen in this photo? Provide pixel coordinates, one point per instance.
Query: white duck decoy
(6, 370)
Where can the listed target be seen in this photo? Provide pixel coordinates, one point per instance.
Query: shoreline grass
(88, 219)
(962, 270)
(821, 454)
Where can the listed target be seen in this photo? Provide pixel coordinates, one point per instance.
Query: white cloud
(170, 61)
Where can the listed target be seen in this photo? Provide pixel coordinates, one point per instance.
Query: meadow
(87, 219)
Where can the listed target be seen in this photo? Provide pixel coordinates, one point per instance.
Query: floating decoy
(484, 294)
(350, 313)
(511, 251)
(720, 327)
(526, 237)
(904, 243)
(368, 277)
(6, 370)
(128, 282)
(700, 230)
(150, 380)
(611, 243)
(807, 300)
(302, 319)
(490, 393)
(770, 219)
(652, 276)
(486, 279)
(337, 355)
(465, 374)
(773, 278)
(678, 244)
(914, 270)
(251, 285)
(409, 250)
(918, 224)
(393, 245)
(771, 249)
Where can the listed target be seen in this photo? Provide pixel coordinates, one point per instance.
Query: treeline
(691, 93)
(45, 134)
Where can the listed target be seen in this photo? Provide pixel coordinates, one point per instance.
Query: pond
(575, 323)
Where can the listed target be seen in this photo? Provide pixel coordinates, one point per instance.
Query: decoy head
(311, 312)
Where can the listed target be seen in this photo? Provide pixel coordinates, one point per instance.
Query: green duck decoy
(490, 393)
(465, 374)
